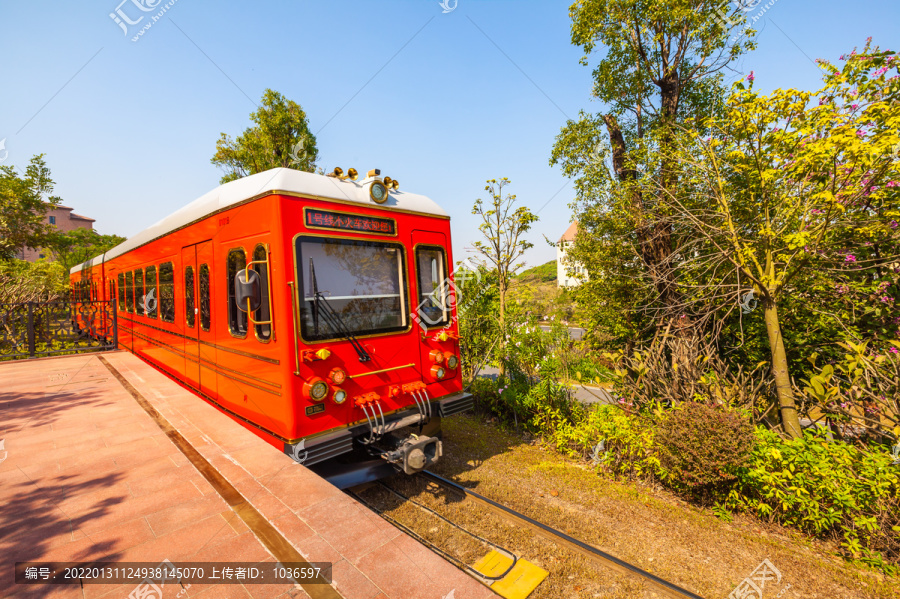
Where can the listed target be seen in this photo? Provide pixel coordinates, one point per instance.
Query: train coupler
(415, 453)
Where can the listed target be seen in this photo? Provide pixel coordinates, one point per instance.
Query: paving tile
(96, 477)
(351, 583)
(398, 576)
(183, 514)
(219, 591)
(242, 548)
(293, 529)
(346, 529)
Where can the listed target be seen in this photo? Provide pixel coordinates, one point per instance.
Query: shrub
(829, 489)
(613, 440)
(703, 446)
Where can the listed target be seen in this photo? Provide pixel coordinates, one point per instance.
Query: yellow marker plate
(521, 580)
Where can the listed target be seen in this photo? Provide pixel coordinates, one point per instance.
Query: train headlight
(378, 192)
(436, 356)
(438, 372)
(316, 390)
(338, 376)
(339, 396)
(452, 361)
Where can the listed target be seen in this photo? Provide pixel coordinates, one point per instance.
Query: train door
(431, 302)
(123, 321)
(191, 316)
(199, 338)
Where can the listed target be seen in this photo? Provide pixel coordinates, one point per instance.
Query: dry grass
(649, 528)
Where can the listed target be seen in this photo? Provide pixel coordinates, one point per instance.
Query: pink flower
(854, 106)
(894, 350)
(817, 211)
(894, 224)
(850, 258)
(751, 77)
(842, 289)
(892, 184)
(843, 57)
(860, 132)
(886, 299)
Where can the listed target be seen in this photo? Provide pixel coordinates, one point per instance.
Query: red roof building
(63, 219)
(568, 273)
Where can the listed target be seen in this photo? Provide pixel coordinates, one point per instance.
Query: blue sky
(440, 102)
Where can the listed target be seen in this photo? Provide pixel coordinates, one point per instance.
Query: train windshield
(362, 282)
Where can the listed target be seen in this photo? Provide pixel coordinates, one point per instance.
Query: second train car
(316, 310)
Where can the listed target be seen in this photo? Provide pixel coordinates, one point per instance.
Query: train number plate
(339, 221)
(319, 407)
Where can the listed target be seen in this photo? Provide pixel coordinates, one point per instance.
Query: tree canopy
(75, 247)
(24, 201)
(280, 137)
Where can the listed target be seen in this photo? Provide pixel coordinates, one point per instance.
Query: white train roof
(268, 182)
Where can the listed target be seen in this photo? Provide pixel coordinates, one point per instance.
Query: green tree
(280, 137)
(793, 184)
(504, 228)
(79, 245)
(24, 201)
(39, 281)
(662, 64)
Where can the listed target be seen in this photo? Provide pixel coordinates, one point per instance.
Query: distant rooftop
(569, 235)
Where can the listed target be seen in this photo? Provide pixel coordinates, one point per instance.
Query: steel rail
(561, 538)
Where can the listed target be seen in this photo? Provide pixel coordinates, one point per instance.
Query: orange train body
(383, 268)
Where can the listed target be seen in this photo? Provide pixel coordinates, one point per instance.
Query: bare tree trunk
(786, 403)
(502, 329)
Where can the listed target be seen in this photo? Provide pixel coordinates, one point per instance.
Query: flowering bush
(859, 395)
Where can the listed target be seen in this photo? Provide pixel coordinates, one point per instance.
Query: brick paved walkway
(89, 475)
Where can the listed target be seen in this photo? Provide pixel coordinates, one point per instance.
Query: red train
(315, 310)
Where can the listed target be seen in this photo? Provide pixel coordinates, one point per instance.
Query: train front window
(362, 281)
(434, 288)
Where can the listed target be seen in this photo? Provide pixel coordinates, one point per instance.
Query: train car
(316, 310)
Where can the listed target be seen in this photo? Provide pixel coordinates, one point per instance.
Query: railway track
(516, 518)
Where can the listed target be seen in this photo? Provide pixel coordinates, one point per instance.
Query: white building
(568, 274)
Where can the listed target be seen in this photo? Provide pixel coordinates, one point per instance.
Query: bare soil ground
(647, 527)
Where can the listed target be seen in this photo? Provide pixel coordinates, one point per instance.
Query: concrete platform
(89, 475)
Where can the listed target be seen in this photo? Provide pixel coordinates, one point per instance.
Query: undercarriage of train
(406, 441)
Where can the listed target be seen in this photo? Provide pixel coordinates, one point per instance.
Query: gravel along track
(640, 524)
(463, 526)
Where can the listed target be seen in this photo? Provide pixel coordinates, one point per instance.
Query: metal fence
(32, 329)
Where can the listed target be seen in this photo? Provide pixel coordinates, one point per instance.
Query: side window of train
(431, 267)
(263, 315)
(204, 297)
(189, 297)
(129, 292)
(237, 319)
(152, 301)
(167, 292)
(139, 297)
(122, 291)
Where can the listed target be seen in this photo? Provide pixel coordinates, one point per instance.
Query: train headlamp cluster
(442, 362)
(337, 376)
(339, 396)
(316, 389)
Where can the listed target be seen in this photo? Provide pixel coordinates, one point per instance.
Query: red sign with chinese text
(350, 222)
